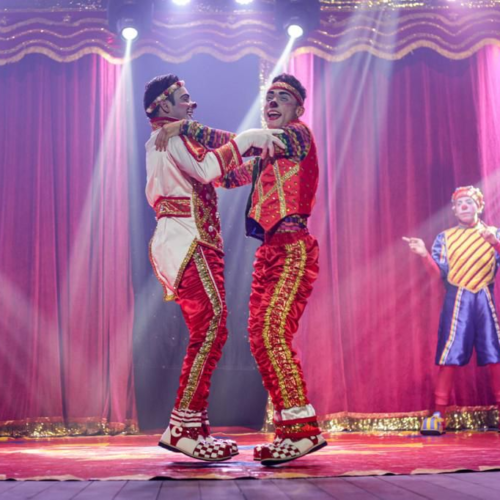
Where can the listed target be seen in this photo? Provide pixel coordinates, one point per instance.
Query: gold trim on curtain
(457, 418)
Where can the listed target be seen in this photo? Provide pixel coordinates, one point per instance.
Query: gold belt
(172, 206)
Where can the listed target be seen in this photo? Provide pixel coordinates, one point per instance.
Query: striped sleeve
(210, 137)
(297, 138)
(240, 176)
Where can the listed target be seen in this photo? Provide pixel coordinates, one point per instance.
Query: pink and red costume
(285, 268)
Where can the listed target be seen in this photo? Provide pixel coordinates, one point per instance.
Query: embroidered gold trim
(185, 262)
(275, 320)
(213, 328)
(264, 197)
(279, 188)
(167, 207)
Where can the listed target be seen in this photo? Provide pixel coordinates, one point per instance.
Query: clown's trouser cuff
(296, 422)
(285, 269)
(201, 297)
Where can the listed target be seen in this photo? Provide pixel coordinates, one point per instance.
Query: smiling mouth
(273, 115)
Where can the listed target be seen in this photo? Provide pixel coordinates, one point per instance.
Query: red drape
(395, 139)
(66, 302)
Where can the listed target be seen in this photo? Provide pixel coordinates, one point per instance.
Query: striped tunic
(465, 259)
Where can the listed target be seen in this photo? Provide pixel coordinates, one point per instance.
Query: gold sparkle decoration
(57, 427)
(457, 418)
(212, 331)
(280, 356)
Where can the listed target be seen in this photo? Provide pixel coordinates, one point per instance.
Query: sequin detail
(291, 386)
(172, 207)
(206, 215)
(213, 328)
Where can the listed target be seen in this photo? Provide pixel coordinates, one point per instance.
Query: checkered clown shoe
(287, 449)
(257, 451)
(184, 435)
(210, 439)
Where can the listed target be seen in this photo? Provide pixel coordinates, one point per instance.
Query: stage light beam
(181, 2)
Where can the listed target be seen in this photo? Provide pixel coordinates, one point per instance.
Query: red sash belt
(172, 206)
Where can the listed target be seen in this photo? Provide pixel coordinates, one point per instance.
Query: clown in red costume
(286, 264)
(187, 256)
(466, 257)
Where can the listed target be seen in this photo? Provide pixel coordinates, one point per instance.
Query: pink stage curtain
(395, 139)
(66, 296)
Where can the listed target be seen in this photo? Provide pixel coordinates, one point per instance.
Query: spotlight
(295, 31)
(130, 18)
(243, 2)
(181, 2)
(129, 33)
(297, 17)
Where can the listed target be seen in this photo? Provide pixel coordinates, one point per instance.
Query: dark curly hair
(154, 88)
(291, 80)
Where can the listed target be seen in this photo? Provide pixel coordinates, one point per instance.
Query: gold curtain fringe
(438, 30)
(55, 427)
(221, 56)
(457, 418)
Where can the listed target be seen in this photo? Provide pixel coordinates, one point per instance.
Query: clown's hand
(168, 130)
(261, 139)
(488, 233)
(416, 246)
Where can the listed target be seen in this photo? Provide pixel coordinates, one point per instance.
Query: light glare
(295, 31)
(181, 2)
(129, 33)
(244, 2)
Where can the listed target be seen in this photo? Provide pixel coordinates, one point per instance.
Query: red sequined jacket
(281, 186)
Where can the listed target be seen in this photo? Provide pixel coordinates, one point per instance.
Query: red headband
(164, 95)
(289, 89)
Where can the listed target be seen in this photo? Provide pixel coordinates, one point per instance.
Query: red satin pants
(201, 297)
(285, 269)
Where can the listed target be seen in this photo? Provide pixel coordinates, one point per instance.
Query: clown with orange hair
(466, 257)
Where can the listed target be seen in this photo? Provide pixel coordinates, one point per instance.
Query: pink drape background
(395, 139)
(66, 302)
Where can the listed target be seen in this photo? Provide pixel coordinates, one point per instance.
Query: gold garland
(388, 25)
(56, 427)
(457, 418)
(350, 5)
(400, 54)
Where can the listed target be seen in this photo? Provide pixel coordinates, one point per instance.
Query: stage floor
(347, 454)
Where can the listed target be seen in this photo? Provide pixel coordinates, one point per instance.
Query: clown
(187, 255)
(286, 264)
(466, 257)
